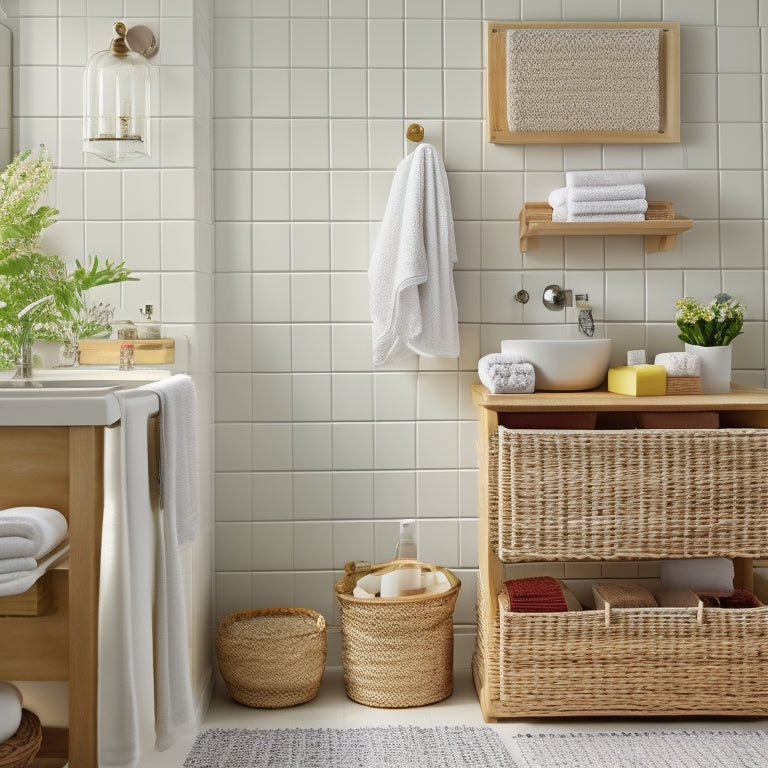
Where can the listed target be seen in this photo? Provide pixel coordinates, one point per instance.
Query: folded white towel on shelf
(504, 374)
(679, 363)
(590, 207)
(602, 178)
(560, 213)
(606, 192)
(10, 710)
(13, 564)
(558, 197)
(606, 217)
(412, 296)
(706, 574)
(30, 531)
(16, 583)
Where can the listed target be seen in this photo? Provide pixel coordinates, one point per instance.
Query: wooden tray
(145, 351)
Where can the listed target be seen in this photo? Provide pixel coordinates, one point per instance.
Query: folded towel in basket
(605, 192)
(540, 594)
(30, 531)
(602, 178)
(736, 598)
(622, 596)
(591, 207)
(678, 597)
(504, 374)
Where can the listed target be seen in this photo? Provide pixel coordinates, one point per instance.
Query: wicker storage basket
(272, 657)
(21, 749)
(650, 662)
(397, 651)
(629, 494)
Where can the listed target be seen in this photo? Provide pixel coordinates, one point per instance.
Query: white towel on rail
(126, 722)
(602, 178)
(178, 454)
(607, 192)
(412, 297)
(30, 531)
(174, 706)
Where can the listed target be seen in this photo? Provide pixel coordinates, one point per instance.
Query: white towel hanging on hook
(412, 296)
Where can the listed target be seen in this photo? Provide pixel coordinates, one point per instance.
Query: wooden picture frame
(498, 131)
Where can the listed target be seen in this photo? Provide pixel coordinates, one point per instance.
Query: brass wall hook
(415, 132)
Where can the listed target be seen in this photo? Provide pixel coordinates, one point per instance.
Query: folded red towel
(737, 598)
(536, 594)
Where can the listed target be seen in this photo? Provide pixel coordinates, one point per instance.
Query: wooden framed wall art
(583, 82)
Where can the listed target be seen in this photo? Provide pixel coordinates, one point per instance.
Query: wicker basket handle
(699, 614)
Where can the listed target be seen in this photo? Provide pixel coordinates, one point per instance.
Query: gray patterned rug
(391, 747)
(680, 749)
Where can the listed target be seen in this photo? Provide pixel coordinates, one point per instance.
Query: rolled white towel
(560, 213)
(679, 363)
(706, 574)
(606, 217)
(10, 710)
(558, 196)
(602, 178)
(505, 374)
(30, 531)
(590, 207)
(605, 192)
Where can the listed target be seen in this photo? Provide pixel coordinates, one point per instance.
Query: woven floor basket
(398, 651)
(650, 662)
(272, 657)
(628, 494)
(20, 750)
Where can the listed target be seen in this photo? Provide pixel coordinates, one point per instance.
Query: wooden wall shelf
(660, 228)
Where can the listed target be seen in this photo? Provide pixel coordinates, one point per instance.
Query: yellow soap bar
(638, 380)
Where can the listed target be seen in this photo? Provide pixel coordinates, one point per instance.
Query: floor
(332, 709)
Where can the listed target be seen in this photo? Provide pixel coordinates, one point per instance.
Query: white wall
(318, 455)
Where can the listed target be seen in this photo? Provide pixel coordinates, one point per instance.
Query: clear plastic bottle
(126, 357)
(406, 547)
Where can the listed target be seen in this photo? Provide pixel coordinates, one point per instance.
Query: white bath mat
(679, 749)
(391, 747)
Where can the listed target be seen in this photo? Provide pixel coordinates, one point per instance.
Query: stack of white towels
(32, 540)
(600, 196)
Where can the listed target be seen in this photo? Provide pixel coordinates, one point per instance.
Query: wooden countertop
(740, 398)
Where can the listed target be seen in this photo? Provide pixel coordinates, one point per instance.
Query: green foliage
(27, 275)
(715, 324)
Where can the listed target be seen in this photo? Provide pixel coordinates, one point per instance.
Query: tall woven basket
(22, 748)
(397, 651)
(272, 657)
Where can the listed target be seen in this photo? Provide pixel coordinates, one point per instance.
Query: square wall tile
(394, 494)
(312, 495)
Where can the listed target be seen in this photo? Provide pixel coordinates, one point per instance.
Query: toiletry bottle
(126, 357)
(406, 547)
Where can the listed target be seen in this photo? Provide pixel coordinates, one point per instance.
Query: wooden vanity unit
(62, 467)
(662, 462)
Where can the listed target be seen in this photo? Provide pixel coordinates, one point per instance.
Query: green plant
(715, 324)
(28, 275)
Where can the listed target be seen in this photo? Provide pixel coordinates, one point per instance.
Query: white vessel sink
(568, 365)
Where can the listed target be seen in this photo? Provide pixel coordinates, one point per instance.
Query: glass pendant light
(116, 102)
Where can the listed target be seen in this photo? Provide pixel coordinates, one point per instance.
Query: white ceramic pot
(715, 367)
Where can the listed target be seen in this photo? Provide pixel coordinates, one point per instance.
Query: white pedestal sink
(563, 365)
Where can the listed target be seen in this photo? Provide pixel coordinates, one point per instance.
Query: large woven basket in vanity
(396, 651)
(272, 657)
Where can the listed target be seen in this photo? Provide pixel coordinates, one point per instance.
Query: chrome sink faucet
(24, 364)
